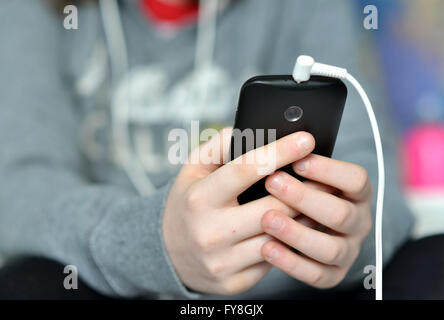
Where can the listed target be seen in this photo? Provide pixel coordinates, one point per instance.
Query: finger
(348, 177)
(306, 221)
(301, 268)
(237, 175)
(247, 253)
(322, 247)
(238, 257)
(333, 212)
(321, 187)
(245, 279)
(213, 153)
(245, 220)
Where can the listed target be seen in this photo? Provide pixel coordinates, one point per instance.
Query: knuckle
(215, 268)
(334, 253)
(286, 231)
(298, 193)
(342, 215)
(242, 166)
(315, 166)
(323, 279)
(272, 203)
(333, 281)
(367, 225)
(194, 200)
(268, 216)
(298, 236)
(361, 180)
(301, 236)
(266, 249)
(198, 238)
(207, 240)
(316, 278)
(354, 253)
(293, 268)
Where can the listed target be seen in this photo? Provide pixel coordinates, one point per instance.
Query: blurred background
(410, 48)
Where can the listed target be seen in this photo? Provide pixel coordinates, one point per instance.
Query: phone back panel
(263, 102)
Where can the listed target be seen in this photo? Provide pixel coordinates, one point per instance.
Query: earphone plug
(302, 68)
(305, 67)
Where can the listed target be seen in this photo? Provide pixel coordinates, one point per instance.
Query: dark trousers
(416, 272)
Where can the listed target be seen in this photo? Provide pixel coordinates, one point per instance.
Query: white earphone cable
(381, 183)
(305, 67)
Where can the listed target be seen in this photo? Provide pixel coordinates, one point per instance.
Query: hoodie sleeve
(332, 33)
(48, 207)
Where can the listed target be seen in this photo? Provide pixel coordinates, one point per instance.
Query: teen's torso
(252, 37)
(165, 87)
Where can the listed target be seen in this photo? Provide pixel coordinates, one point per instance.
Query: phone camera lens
(293, 113)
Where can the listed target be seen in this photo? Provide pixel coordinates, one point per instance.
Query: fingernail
(276, 223)
(275, 182)
(303, 142)
(301, 166)
(273, 254)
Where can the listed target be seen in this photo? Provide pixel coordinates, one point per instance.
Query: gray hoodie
(63, 193)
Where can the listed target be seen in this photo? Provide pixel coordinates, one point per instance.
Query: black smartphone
(278, 102)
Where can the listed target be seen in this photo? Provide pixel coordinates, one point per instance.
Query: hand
(337, 196)
(213, 242)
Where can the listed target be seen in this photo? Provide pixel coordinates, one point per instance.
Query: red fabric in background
(173, 14)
